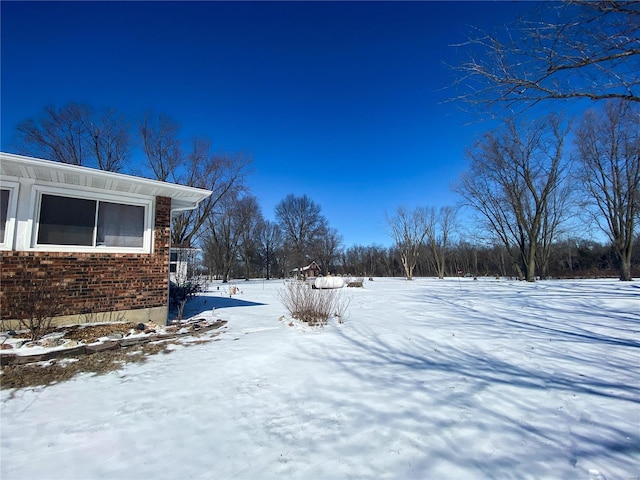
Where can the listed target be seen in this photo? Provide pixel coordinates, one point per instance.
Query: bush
(313, 306)
(179, 293)
(41, 304)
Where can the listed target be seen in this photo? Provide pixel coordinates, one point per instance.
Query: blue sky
(340, 101)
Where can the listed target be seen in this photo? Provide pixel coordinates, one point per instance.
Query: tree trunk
(268, 262)
(625, 267)
(441, 266)
(409, 272)
(530, 265)
(408, 268)
(518, 270)
(247, 268)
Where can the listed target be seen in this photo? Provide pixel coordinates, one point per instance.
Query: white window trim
(10, 226)
(36, 199)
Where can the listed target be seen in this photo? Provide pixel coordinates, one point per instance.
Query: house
(181, 260)
(98, 241)
(310, 271)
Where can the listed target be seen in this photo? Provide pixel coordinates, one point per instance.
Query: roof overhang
(182, 197)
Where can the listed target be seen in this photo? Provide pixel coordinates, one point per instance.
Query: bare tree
(357, 260)
(301, 222)
(249, 221)
(109, 140)
(366, 261)
(222, 238)
(222, 173)
(578, 49)
(60, 134)
(327, 248)
(441, 226)
(409, 230)
(270, 241)
(465, 256)
(608, 144)
(512, 177)
(79, 135)
(161, 145)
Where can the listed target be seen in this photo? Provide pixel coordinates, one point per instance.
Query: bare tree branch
(222, 173)
(159, 135)
(109, 140)
(582, 49)
(59, 134)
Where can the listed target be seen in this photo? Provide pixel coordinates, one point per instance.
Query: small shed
(310, 271)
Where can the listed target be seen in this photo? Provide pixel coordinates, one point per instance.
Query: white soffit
(182, 197)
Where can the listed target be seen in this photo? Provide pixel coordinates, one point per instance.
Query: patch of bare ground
(91, 333)
(61, 369)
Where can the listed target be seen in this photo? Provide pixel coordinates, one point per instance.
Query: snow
(450, 378)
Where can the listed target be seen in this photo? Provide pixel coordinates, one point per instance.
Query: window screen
(66, 221)
(120, 225)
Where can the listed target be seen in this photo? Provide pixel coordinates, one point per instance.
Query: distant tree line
(536, 183)
(570, 258)
(536, 171)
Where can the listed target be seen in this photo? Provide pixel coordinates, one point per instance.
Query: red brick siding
(92, 282)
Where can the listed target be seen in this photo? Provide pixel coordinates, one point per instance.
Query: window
(120, 225)
(173, 262)
(4, 213)
(8, 205)
(87, 222)
(66, 221)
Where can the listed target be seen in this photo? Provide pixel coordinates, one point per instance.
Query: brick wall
(90, 282)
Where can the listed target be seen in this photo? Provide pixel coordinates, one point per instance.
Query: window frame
(147, 236)
(12, 208)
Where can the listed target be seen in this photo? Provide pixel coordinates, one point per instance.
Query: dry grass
(313, 306)
(61, 369)
(68, 365)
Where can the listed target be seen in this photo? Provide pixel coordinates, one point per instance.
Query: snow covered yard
(426, 379)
